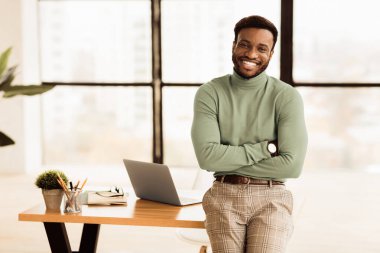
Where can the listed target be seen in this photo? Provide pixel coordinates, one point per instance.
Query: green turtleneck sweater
(234, 118)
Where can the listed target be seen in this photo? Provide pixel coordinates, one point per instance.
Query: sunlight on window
(97, 125)
(95, 41)
(177, 120)
(102, 125)
(343, 128)
(339, 46)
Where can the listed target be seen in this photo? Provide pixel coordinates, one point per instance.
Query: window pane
(177, 119)
(197, 36)
(97, 125)
(340, 47)
(343, 126)
(95, 41)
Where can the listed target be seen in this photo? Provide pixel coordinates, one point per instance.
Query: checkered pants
(248, 218)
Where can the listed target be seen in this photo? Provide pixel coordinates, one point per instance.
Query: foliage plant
(7, 75)
(47, 180)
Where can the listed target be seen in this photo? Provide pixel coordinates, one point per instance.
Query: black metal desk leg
(89, 240)
(57, 236)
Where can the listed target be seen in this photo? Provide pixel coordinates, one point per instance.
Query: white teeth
(250, 63)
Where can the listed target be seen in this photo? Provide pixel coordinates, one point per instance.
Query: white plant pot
(53, 199)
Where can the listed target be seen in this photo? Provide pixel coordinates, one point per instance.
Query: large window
(92, 43)
(129, 71)
(113, 45)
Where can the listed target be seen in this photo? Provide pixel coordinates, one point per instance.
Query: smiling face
(252, 51)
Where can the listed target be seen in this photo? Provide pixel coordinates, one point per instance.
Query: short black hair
(256, 22)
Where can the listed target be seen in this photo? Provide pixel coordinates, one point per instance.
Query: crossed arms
(250, 158)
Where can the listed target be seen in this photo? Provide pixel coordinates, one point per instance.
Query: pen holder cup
(72, 202)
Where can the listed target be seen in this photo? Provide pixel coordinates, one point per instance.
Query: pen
(76, 185)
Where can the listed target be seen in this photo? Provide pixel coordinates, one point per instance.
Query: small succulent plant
(48, 180)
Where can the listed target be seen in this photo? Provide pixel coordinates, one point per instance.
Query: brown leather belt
(236, 179)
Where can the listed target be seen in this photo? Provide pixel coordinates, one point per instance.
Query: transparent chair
(202, 183)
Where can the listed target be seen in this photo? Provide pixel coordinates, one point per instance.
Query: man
(249, 129)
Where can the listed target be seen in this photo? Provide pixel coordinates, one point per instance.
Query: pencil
(77, 191)
(85, 181)
(63, 188)
(63, 184)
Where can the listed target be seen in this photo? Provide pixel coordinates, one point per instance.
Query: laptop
(153, 181)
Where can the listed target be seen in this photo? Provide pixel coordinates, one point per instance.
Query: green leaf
(5, 140)
(28, 90)
(4, 60)
(7, 78)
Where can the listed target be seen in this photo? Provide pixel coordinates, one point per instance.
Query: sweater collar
(256, 81)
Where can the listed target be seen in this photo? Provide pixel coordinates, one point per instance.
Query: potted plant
(7, 76)
(51, 189)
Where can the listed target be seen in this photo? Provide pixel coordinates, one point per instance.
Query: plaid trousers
(248, 218)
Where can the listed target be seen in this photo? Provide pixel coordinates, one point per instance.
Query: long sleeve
(206, 137)
(292, 142)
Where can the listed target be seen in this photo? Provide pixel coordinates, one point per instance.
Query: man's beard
(260, 70)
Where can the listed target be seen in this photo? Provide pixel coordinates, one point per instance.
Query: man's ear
(271, 53)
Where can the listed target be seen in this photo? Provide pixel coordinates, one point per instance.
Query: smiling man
(249, 129)
(252, 51)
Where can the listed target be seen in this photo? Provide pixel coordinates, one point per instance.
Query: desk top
(138, 212)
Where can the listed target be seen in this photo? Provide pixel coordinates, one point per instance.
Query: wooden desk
(137, 213)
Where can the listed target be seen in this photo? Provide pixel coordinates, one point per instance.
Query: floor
(336, 212)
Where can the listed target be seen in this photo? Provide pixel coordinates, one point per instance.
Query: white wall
(19, 116)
